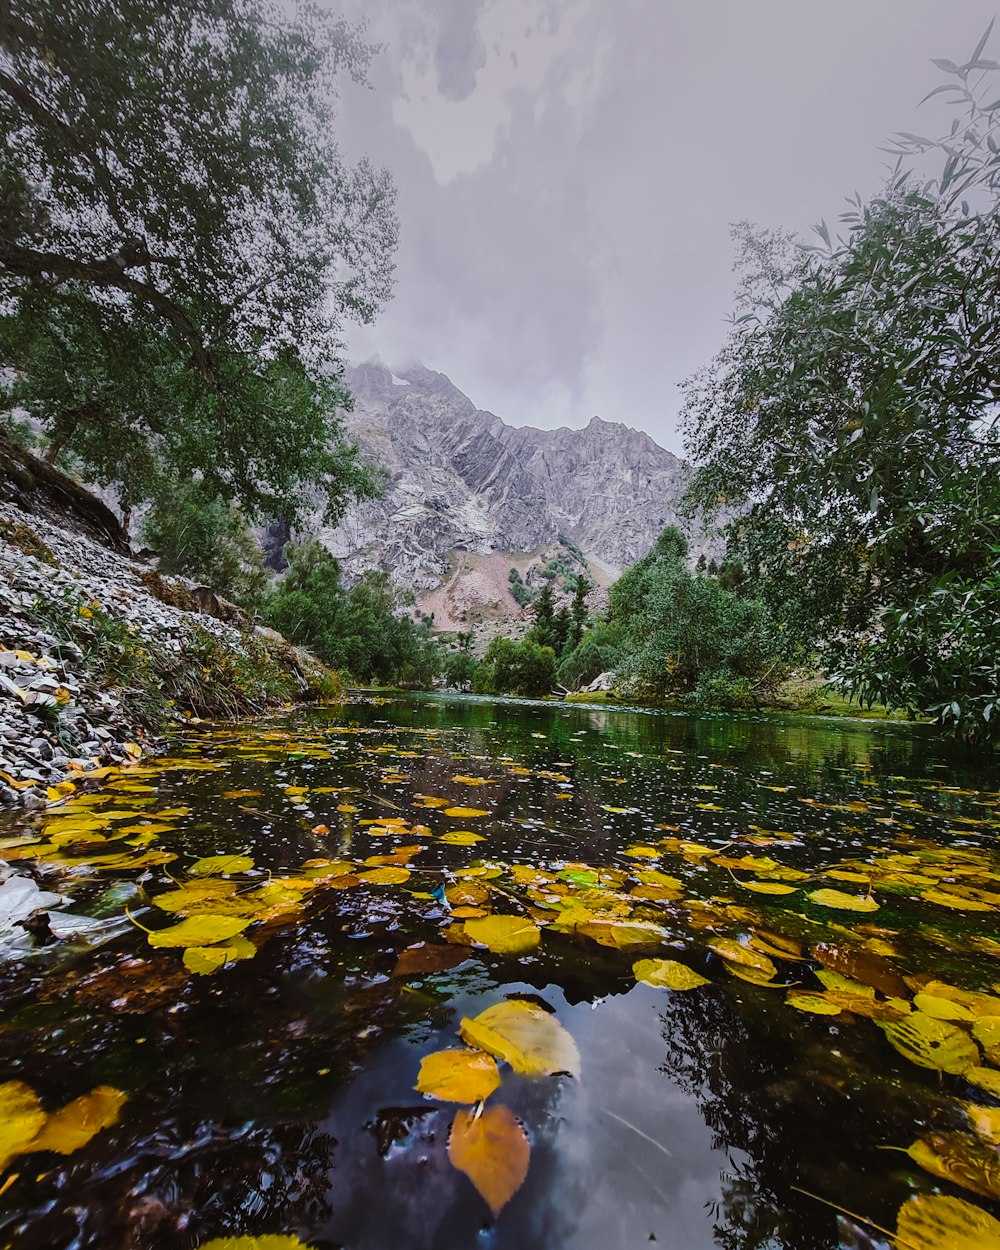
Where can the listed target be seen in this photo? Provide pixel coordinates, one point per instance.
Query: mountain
(469, 497)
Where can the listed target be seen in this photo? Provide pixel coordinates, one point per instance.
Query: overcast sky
(568, 170)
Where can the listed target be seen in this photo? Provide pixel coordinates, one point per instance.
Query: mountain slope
(468, 496)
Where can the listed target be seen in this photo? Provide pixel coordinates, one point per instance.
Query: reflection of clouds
(594, 1183)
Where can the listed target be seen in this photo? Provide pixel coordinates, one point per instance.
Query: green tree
(579, 608)
(508, 667)
(180, 241)
(600, 650)
(543, 630)
(850, 425)
(200, 535)
(685, 636)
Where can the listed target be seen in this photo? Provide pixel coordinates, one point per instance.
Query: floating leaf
(937, 1222)
(846, 902)
(492, 1150)
(462, 837)
(204, 930)
(208, 959)
(944, 899)
(465, 813)
(941, 1008)
(504, 935)
(668, 973)
(622, 935)
(736, 953)
(531, 1040)
(385, 876)
(767, 887)
(73, 1126)
(458, 1075)
(931, 1043)
(221, 864)
(21, 1117)
(959, 1158)
(861, 965)
(985, 1120)
(986, 1078)
(817, 1004)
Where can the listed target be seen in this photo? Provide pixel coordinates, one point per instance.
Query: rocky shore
(100, 654)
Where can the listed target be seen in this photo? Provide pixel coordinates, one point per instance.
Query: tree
(850, 425)
(180, 241)
(685, 636)
(579, 608)
(516, 668)
(562, 630)
(543, 631)
(197, 534)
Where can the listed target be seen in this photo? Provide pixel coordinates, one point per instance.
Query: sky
(568, 170)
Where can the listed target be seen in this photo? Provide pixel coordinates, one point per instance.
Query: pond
(699, 982)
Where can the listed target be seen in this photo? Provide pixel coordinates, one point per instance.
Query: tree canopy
(181, 240)
(848, 429)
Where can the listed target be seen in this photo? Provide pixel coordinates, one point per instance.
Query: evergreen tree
(543, 630)
(579, 609)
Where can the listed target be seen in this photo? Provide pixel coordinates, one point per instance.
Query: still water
(833, 886)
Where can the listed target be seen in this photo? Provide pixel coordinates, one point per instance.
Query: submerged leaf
(458, 1075)
(817, 1004)
(492, 1150)
(76, 1123)
(417, 960)
(668, 973)
(21, 1117)
(531, 1040)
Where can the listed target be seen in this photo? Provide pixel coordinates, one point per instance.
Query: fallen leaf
(75, 1124)
(492, 1150)
(531, 1040)
(938, 1222)
(458, 1075)
(668, 973)
(504, 935)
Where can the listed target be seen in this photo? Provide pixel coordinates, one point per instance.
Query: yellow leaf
(385, 876)
(767, 887)
(943, 899)
(504, 935)
(961, 1159)
(531, 1040)
(221, 864)
(985, 1120)
(458, 1075)
(941, 1008)
(931, 1043)
(741, 956)
(73, 1126)
(274, 1241)
(846, 902)
(492, 1150)
(204, 930)
(986, 1078)
(462, 837)
(622, 935)
(818, 1004)
(937, 1222)
(206, 959)
(21, 1117)
(465, 813)
(668, 973)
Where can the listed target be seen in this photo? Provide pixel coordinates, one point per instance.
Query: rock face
(469, 496)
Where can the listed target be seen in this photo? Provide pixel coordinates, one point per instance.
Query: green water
(276, 1094)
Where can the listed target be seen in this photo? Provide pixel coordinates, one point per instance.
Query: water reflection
(277, 1096)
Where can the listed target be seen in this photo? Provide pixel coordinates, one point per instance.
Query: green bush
(523, 668)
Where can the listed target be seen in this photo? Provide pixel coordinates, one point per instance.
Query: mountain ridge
(462, 482)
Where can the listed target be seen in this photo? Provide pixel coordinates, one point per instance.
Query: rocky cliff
(468, 496)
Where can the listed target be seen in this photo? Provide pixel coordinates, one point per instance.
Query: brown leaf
(493, 1151)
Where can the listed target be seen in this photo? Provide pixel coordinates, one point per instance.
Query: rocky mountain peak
(469, 497)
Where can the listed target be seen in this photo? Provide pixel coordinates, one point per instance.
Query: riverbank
(100, 655)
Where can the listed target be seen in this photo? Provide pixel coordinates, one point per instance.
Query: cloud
(568, 170)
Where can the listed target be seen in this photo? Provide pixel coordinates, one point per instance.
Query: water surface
(275, 1093)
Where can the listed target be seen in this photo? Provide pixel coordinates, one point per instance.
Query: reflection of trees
(801, 1105)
